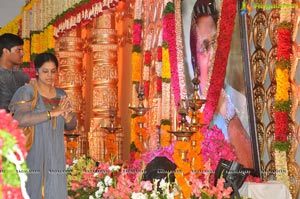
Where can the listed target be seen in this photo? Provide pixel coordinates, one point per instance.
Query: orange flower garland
(165, 136)
(187, 156)
(140, 133)
(184, 186)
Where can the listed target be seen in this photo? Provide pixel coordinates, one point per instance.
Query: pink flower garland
(137, 29)
(169, 36)
(8, 124)
(226, 25)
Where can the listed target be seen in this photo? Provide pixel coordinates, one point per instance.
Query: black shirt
(10, 81)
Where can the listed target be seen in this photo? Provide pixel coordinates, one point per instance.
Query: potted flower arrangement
(89, 179)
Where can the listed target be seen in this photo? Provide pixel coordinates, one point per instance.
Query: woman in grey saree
(50, 117)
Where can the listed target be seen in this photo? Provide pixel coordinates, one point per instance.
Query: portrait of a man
(200, 21)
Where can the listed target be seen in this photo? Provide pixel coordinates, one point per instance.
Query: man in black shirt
(11, 77)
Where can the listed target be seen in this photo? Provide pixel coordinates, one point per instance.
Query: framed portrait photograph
(234, 113)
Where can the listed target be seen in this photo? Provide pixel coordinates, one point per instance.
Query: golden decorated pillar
(71, 78)
(105, 89)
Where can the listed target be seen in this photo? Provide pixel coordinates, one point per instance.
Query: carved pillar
(70, 78)
(104, 80)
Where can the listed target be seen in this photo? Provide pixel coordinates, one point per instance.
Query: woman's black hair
(40, 59)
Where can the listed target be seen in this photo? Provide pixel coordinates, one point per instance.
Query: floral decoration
(282, 99)
(13, 153)
(140, 135)
(214, 147)
(11, 27)
(136, 64)
(81, 12)
(169, 37)
(165, 136)
(89, 179)
(158, 70)
(226, 24)
(283, 86)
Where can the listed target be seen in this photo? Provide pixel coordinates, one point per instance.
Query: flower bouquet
(89, 179)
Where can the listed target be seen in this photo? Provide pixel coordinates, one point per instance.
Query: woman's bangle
(49, 115)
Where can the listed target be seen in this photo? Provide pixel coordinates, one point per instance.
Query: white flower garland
(84, 15)
(166, 100)
(180, 64)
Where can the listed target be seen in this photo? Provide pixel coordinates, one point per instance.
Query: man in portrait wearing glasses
(203, 33)
(11, 77)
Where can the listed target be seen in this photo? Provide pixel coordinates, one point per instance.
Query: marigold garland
(140, 133)
(165, 136)
(166, 69)
(26, 48)
(184, 186)
(136, 66)
(282, 84)
(136, 63)
(282, 101)
(11, 27)
(282, 96)
(166, 79)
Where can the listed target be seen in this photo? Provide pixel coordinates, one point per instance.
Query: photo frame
(238, 75)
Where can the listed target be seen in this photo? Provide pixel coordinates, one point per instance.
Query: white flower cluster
(114, 168)
(160, 188)
(103, 185)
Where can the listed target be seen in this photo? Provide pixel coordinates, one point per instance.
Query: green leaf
(170, 8)
(282, 146)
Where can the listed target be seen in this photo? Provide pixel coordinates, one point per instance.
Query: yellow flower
(282, 84)
(166, 71)
(26, 47)
(51, 40)
(136, 66)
